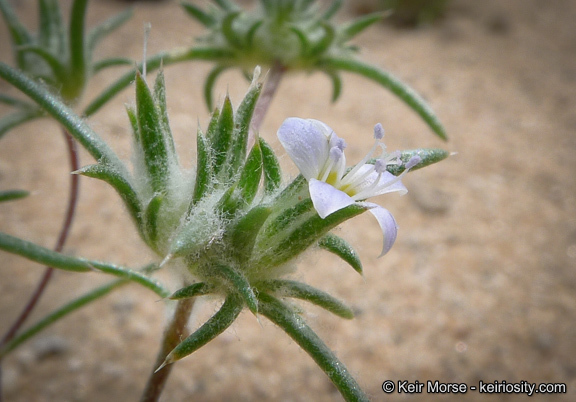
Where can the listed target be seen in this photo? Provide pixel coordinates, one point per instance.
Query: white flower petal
(387, 224)
(327, 199)
(306, 143)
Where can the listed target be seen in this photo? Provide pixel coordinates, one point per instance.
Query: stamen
(335, 155)
(378, 132)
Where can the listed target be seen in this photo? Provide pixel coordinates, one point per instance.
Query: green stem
(153, 63)
(173, 335)
(60, 313)
(281, 315)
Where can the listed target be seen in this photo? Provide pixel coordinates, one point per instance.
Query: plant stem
(173, 335)
(270, 87)
(64, 231)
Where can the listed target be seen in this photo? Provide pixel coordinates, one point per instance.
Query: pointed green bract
(249, 180)
(11, 195)
(151, 218)
(209, 330)
(122, 183)
(203, 168)
(270, 167)
(237, 283)
(245, 231)
(428, 157)
(160, 100)
(153, 141)
(221, 137)
(194, 290)
(342, 249)
(299, 290)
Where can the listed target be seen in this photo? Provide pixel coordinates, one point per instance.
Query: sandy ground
(479, 286)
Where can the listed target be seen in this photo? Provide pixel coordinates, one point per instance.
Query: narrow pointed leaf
(11, 195)
(299, 290)
(242, 121)
(271, 168)
(209, 84)
(251, 174)
(78, 56)
(151, 131)
(244, 233)
(62, 312)
(18, 32)
(153, 63)
(251, 33)
(353, 28)
(58, 69)
(160, 101)
(228, 31)
(200, 15)
(237, 283)
(326, 40)
(303, 39)
(342, 249)
(51, 32)
(221, 141)
(428, 157)
(151, 218)
(107, 27)
(203, 168)
(211, 329)
(121, 183)
(295, 326)
(57, 260)
(75, 125)
(387, 80)
(336, 84)
(194, 290)
(15, 102)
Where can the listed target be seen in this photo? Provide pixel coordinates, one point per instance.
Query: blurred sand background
(479, 286)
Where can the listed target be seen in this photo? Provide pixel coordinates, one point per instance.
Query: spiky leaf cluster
(58, 56)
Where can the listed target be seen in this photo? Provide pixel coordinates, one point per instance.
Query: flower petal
(306, 143)
(327, 199)
(387, 224)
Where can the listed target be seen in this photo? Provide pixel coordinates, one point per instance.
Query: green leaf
(78, 57)
(387, 80)
(244, 233)
(200, 15)
(285, 318)
(53, 259)
(209, 83)
(325, 40)
(211, 329)
(14, 119)
(221, 140)
(237, 283)
(104, 29)
(160, 101)
(59, 70)
(203, 168)
(18, 32)
(194, 290)
(342, 249)
(251, 33)
(303, 39)
(271, 168)
(242, 121)
(153, 63)
(227, 29)
(299, 290)
(250, 176)
(11, 195)
(353, 28)
(60, 313)
(227, 5)
(15, 102)
(306, 234)
(153, 141)
(151, 218)
(122, 183)
(428, 157)
(51, 32)
(336, 84)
